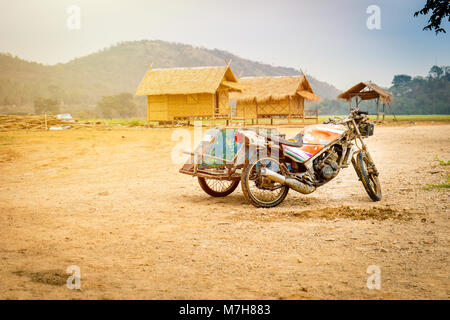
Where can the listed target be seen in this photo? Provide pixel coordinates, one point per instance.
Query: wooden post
(256, 102)
(289, 116)
(148, 109)
(378, 106)
(384, 110)
(303, 115)
(317, 115)
(214, 97)
(243, 112)
(392, 111)
(45, 120)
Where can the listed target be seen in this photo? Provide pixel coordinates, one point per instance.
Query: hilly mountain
(82, 82)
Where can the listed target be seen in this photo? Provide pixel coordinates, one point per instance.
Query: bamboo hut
(269, 97)
(368, 91)
(188, 93)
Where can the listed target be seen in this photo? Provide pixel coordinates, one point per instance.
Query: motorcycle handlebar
(359, 112)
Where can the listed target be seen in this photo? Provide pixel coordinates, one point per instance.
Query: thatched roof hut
(367, 91)
(187, 92)
(263, 89)
(186, 81)
(273, 96)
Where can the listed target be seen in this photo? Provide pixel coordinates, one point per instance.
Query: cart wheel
(218, 188)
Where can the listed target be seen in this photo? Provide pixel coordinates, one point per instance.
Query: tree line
(411, 95)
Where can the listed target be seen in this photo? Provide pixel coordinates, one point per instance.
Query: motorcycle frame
(349, 148)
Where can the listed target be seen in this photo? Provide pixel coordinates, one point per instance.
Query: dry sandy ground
(111, 203)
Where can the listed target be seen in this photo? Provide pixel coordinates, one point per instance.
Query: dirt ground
(111, 202)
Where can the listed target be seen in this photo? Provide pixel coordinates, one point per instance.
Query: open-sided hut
(368, 91)
(187, 93)
(268, 97)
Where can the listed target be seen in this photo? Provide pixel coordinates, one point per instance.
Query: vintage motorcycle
(312, 159)
(268, 165)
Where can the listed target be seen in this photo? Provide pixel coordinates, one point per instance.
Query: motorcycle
(310, 160)
(267, 165)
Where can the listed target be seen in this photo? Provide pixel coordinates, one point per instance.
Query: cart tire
(223, 192)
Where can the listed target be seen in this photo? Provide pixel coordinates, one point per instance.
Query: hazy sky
(329, 39)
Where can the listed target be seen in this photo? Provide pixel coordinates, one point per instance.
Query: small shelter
(268, 97)
(368, 91)
(188, 93)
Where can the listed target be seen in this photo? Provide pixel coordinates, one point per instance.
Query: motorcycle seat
(297, 143)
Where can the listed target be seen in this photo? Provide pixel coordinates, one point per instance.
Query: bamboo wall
(246, 110)
(166, 107)
(251, 109)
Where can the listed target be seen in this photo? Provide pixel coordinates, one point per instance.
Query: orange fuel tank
(315, 138)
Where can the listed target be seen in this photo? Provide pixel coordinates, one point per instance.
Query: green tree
(447, 72)
(440, 9)
(401, 80)
(121, 106)
(436, 72)
(42, 105)
(428, 95)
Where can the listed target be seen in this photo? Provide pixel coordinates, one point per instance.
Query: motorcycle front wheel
(259, 190)
(366, 172)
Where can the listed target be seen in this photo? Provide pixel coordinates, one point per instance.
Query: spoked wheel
(218, 188)
(259, 190)
(368, 175)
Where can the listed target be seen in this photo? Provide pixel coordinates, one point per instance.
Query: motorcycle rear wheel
(254, 193)
(218, 188)
(369, 178)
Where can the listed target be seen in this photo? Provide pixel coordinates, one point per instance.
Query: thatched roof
(372, 92)
(263, 89)
(186, 81)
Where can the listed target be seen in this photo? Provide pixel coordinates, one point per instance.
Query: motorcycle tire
(245, 184)
(369, 180)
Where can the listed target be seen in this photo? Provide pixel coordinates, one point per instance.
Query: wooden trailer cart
(218, 160)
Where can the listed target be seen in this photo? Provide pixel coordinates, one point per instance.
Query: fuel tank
(315, 138)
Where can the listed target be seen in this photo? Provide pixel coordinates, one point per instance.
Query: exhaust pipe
(290, 182)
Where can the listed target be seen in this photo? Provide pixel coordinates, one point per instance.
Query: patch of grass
(439, 186)
(441, 162)
(133, 122)
(444, 185)
(136, 122)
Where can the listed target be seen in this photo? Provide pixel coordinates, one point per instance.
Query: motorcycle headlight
(366, 128)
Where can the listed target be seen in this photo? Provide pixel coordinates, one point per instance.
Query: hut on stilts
(369, 91)
(273, 97)
(185, 94)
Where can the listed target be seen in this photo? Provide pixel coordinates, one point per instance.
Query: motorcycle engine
(326, 166)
